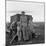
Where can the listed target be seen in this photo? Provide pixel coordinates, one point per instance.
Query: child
(19, 30)
(31, 28)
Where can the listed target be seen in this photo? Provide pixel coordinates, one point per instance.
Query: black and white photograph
(25, 22)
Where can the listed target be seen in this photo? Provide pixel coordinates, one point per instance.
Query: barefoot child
(19, 30)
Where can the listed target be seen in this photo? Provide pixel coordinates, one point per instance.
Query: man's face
(23, 13)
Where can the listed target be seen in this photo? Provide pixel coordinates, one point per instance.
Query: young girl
(19, 30)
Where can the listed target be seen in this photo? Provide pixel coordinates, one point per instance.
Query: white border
(2, 23)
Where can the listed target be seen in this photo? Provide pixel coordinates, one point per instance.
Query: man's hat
(22, 12)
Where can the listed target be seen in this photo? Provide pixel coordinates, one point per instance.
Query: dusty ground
(40, 39)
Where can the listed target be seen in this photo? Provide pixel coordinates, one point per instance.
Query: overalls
(23, 20)
(25, 32)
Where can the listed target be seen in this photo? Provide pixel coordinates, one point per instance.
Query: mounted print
(25, 22)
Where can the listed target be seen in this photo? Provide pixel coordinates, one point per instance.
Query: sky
(34, 9)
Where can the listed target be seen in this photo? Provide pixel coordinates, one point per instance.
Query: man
(16, 30)
(23, 19)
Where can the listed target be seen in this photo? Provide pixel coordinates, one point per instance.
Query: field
(39, 28)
